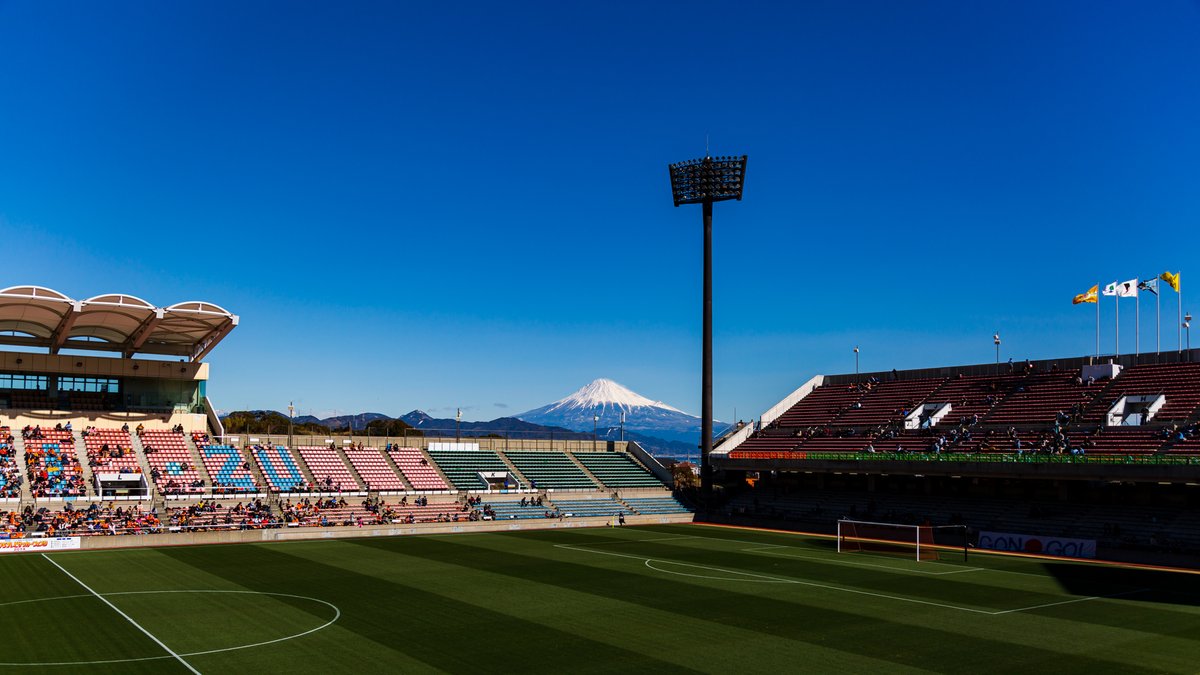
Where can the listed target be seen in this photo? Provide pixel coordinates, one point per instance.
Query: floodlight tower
(705, 181)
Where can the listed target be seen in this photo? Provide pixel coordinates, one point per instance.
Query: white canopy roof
(114, 322)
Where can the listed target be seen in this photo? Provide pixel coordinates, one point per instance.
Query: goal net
(920, 542)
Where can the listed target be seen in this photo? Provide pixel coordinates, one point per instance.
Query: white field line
(787, 580)
(777, 579)
(337, 615)
(127, 617)
(767, 550)
(1074, 600)
(974, 569)
(642, 541)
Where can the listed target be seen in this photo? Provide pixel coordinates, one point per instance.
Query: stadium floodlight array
(710, 179)
(705, 181)
(921, 542)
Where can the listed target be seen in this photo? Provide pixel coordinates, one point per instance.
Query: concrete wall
(572, 445)
(343, 532)
(18, 419)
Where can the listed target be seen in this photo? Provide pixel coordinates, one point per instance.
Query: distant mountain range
(609, 401)
(662, 430)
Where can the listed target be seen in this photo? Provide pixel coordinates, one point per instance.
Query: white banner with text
(1029, 543)
(43, 544)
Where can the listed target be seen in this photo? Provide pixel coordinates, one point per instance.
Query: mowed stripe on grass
(555, 600)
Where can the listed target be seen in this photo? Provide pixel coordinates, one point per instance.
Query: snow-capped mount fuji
(608, 399)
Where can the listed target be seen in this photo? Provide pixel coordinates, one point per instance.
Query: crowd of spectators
(52, 467)
(210, 515)
(10, 472)
(94, 520)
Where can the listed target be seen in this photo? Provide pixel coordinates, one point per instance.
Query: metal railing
(980, 457)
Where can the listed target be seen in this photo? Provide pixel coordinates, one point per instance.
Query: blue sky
(466, 205)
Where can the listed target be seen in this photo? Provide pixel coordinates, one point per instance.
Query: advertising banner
(43, 544)
(1028, 543)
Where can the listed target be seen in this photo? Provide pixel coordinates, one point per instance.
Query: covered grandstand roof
(33, 316)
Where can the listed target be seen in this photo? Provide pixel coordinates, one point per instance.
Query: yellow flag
(1091, 296)
(1171, 279)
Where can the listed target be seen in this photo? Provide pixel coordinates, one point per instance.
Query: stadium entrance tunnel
(191, 622)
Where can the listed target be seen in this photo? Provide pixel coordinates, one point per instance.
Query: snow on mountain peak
(602, 393)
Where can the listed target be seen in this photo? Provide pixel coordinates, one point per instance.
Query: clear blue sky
(437, 205)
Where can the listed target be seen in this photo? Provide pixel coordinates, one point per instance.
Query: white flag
(1127, 289)
(1110, 289)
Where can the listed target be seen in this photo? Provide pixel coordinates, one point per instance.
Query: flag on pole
(1127, 289)
(1110, 289)
(1171, 279)
(1090, 296)
(1150, 285)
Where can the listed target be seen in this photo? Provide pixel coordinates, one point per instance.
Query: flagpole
(1137, 324)
(1097, 321)
(1158, 317)
(1179, 323)
(1117, 335)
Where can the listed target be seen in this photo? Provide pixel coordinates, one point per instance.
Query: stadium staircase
(198, 461)
(309, 476)
(513, 468)
(26, 490)
(323, 463)
(434, 465)
(550, 470)
(419, 470)
(391, 462)
(135, 442)
(362, 484)
(255, 469)
(586, 471)
(617, 470)
(462, 467)
(85, 467)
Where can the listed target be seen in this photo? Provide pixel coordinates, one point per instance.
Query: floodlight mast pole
(706, 405)
(705, 181)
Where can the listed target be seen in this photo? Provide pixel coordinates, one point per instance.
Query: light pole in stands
(706, 181)
(595, 436)
(291, 415)
(856, 363)
(996, 340)
(1187, 326)
(457, 422)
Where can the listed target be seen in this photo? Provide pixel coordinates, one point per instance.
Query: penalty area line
(127, 617)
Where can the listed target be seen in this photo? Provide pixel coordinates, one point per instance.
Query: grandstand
(1078, 433)
(128, 443)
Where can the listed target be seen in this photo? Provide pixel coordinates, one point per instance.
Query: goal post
(921, 542)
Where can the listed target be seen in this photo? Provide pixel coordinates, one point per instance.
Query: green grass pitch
(660, 599)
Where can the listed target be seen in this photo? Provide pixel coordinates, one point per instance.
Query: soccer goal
(922, 542)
